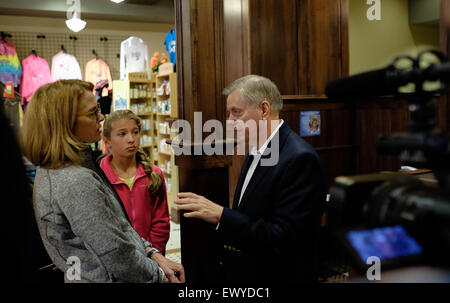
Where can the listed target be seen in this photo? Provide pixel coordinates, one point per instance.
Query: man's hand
(173, 271)
(199, 207)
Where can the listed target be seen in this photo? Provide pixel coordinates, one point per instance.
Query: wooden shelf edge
(164, 153)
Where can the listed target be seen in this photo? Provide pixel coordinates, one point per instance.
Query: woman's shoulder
(66, 182)
(70, 174)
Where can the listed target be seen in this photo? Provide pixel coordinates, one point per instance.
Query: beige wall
(152, 34)
(373, 44)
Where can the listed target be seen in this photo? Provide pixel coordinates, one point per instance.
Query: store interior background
(349, 132)
(148, 20)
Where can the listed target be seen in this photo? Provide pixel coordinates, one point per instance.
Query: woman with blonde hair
(83, 225)
(139, 183)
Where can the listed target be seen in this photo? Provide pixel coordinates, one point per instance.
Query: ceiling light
(74, 22)
(117, 1)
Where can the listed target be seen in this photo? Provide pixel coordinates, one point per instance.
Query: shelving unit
(167, 112)
(138, 94)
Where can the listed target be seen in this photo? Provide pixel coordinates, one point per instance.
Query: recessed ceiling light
(117, 1)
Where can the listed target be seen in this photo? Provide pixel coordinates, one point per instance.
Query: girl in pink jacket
(139, 183)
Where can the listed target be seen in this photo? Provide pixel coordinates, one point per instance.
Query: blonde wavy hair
(47, 136)
(155, 184)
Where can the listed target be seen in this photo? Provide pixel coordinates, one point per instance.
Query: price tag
(9, 90)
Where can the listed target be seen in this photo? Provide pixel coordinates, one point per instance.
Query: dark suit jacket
(273, 232)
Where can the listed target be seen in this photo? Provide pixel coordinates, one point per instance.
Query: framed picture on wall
(310, 123)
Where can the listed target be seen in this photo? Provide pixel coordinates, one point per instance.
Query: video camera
(394, 216)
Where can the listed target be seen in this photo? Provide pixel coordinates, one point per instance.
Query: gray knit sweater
(78, 215)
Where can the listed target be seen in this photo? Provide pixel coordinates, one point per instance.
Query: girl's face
(125, 138)
(87, 126)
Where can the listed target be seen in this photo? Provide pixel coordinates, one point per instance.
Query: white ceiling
(151, 11)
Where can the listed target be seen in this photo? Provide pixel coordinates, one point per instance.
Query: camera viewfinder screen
(386, 243)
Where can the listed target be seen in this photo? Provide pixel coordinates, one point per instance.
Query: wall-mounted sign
(121, 95)
(310, 123)
(9, 90)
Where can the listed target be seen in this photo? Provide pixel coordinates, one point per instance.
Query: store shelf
(143, 99)
(164, 119)
(166, 173)
(165, 153)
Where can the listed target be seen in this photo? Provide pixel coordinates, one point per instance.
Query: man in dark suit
(270, 235)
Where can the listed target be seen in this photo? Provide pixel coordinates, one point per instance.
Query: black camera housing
(394, 200)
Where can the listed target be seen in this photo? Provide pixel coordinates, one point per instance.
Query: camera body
(394, 216)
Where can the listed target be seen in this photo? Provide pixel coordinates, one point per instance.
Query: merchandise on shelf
(164, 147)
(146, 140)
(165, 167)
(141, 108)
(164, 107)
(145, 125)
(164, 89)
(169, 184)
(164, 128)
(140, 91)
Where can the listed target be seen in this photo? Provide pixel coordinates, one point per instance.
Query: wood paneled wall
(350, 130)
(445, 46)
(299, 44)
(200, 49)
(200, 58)
(336, 145)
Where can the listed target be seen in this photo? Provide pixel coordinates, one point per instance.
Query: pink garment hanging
(35, 73)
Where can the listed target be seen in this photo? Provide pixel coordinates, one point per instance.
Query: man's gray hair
(255, 89)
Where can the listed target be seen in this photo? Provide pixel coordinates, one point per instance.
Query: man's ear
(266, 110)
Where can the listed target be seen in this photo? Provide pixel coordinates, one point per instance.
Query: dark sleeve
(299, 198)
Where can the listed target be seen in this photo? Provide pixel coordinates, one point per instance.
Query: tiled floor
(173, 245)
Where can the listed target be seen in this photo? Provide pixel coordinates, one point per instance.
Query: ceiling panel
(152, 11)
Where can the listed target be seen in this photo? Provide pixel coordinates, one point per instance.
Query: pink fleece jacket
(149, 215)
(35, 73)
